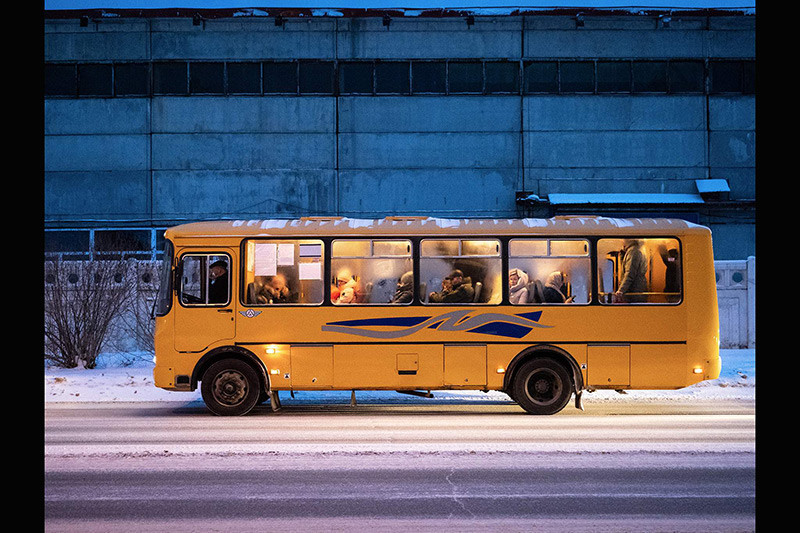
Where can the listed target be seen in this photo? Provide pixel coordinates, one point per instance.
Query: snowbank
(111, 382)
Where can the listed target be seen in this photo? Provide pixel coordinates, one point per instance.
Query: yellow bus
(541, 309)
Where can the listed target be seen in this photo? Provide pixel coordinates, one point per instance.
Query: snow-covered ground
(112, 382)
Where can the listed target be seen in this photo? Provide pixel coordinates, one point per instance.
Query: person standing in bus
(634, 271)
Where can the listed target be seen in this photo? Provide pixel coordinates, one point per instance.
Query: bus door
(205, 312)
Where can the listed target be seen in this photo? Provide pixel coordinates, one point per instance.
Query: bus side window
(637, 271)
(205, 280)
(460, 271)
(378, 271)
(549, 271)
(283, 272)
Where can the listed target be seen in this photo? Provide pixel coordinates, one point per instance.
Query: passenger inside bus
(523, 290)
(218, 282)
(555, 289)
(276, 290)
(633, 281)
(517, 286)
(270, 290)
(460, 290)
(672, 283)
(405, 289)
(347, 289)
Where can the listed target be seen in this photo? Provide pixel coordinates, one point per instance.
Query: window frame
(267, 88)
(531, 84)
(596, 273)
(178, 286)
(591, 87)
(589, 257)
(325, 247)
(380, 65)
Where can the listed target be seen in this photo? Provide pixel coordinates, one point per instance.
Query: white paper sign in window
(285, 254)
(310, 270)
(266, 259)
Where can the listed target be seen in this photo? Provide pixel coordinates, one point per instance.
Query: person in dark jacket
(460, 292)
(405, 289)
(218, 284)
(555, 291)
(634, 274)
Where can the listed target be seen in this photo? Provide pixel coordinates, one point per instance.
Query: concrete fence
(736, 297)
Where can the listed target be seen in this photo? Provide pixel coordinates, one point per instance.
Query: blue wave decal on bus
(511, 326)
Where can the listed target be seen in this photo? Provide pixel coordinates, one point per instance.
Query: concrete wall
(157, 160)
(736, 294)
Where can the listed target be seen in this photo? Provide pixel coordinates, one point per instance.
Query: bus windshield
(164, 298)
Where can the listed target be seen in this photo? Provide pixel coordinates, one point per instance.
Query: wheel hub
(230, 387)
(544, 387)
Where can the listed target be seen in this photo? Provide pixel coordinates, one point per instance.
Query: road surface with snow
(121, 455)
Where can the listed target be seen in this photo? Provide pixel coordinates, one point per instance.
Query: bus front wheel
(230, 387)
(542, 386)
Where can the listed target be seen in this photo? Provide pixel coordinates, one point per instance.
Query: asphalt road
(630, 466)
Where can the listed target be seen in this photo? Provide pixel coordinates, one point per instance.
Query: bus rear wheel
(542, 386)
(230, 387)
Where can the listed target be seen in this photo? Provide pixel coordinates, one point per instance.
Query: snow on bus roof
(400, 224)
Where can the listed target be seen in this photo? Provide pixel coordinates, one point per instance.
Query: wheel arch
(230, 352)
(547, 351)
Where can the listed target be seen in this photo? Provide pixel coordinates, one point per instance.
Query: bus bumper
(713, 367)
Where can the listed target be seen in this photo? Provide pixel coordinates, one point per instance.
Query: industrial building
(160, 116)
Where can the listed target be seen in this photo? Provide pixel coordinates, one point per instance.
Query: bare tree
(82, 299)
(137, 323)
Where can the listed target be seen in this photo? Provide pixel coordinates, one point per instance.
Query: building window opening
(280, 77)
(429, 77)
(465, 77)
(392, 77)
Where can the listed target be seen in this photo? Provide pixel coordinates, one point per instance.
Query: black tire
(542, 386)
(230, 387)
